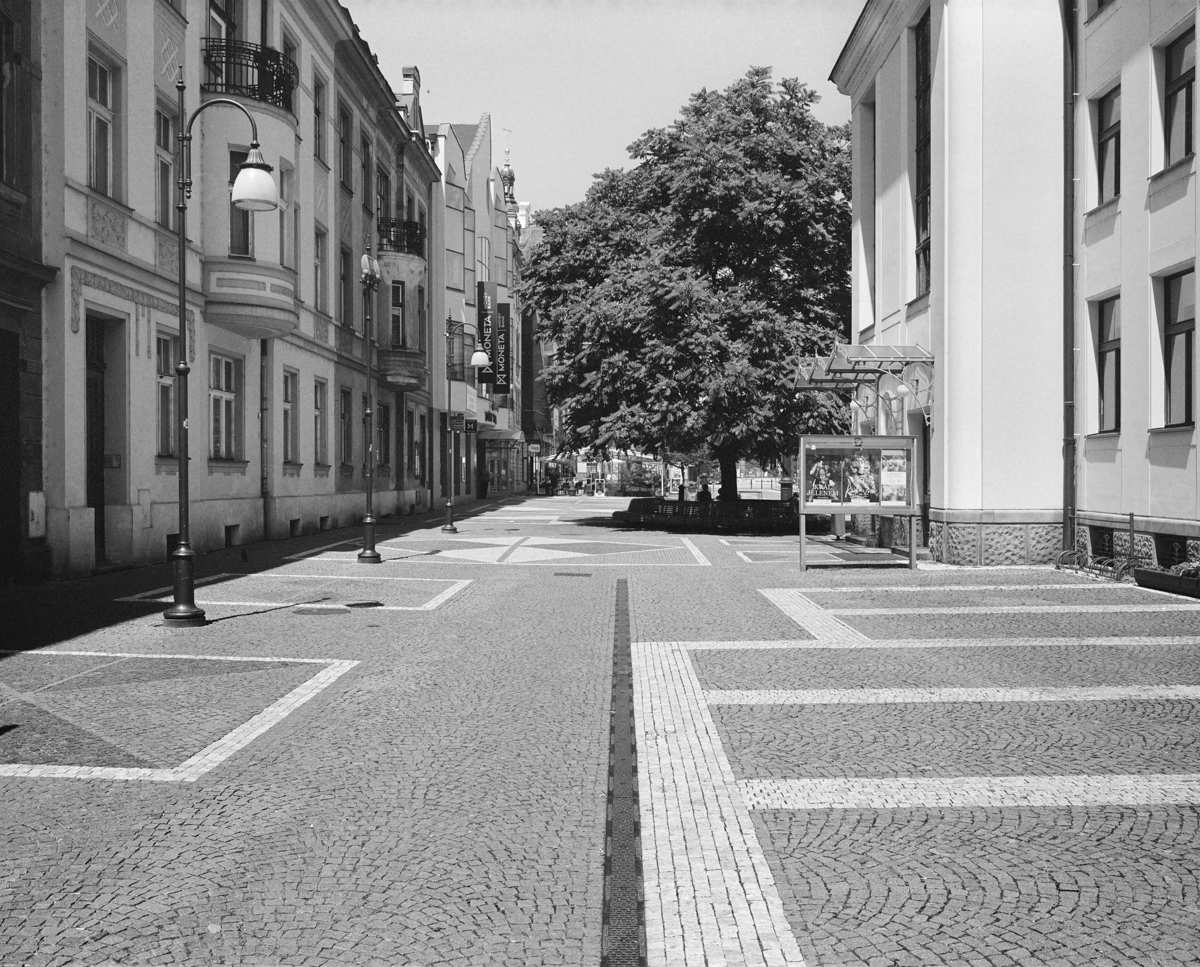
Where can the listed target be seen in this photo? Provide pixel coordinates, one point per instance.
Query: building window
(292, 53)
(1179, 345)
(287, 217)
(399, 336)
(346, 436)
(223, 405)
(365, 439)
(346, 287)
(411, 446)
(290, 382)
(922, 167)
(383, 194)
(1108, 363)
(241, 223)
(164, 171)
(422, 222)
(364, 161)
(1177, 113)
(344, 150)
(319, 285)
(320, 431)
(422, 318)
(383, 434)
(1108, 145)
(318, 119)
(15, 106)
(101, 124)
(165, 368)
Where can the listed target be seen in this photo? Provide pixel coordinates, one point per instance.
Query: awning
(850, 365)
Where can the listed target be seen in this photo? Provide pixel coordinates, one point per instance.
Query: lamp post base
(448, 527)
(369, 557)
(184, 618)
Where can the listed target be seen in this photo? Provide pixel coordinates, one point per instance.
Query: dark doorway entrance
(10, 466)
(95, 428)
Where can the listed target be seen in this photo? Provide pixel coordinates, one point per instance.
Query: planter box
(1166, 581)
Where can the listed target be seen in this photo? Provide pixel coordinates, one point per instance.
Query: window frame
(289, 407)
(240, 219)
(346, 287)
(102, 109)
(165, 182)
(346, 427)
(1104, 136)
(165, 394)
(319, 89)
(320, 423)
(398, 329)
(320, 286)
(225, 437)
(1106, 348)
(1172, 329)
(922, 155)
(345, 147)
(1183, 84)
(383, 430)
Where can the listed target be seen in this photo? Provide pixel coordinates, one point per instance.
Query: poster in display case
(857, 474)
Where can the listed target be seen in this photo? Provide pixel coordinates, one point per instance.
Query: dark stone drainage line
(623, 934)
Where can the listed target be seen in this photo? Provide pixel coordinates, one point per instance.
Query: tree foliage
(680, 291)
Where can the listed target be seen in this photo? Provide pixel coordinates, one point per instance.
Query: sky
(574, 82)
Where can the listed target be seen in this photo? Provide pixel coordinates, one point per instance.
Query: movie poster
(856, 475)
(893, 476)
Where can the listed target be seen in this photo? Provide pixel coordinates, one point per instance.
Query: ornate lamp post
(370, 282)
(479, 360)
(254, 190)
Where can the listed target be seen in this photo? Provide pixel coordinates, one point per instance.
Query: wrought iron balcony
(402, 369)
(251, 70)
(397, 235)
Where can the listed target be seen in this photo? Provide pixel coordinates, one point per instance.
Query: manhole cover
(571, 574)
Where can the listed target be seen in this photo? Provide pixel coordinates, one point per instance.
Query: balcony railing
(251, 70)
(397, 235)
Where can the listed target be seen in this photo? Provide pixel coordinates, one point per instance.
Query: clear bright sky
(576, 81)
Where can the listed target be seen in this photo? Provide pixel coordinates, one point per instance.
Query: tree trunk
(728, 458)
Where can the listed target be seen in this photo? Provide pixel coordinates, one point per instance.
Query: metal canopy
(851, 365)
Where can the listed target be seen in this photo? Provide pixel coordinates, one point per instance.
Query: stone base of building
(1158, 541)
(988, 544)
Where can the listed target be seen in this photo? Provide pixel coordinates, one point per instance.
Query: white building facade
(958, 249)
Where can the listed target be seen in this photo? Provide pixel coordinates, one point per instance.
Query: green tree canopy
(680, 291)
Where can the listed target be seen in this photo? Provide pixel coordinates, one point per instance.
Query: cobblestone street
(408, 764)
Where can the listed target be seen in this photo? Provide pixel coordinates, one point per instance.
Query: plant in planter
(1180, 579)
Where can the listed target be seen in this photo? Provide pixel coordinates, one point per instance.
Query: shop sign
(472, 426)
(458, 422)
(501, 362)
(485, 316)
(857, 475)
(535, 448)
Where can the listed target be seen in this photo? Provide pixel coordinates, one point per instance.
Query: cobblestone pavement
(407, 764)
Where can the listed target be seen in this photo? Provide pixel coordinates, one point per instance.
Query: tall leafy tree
(681, 290)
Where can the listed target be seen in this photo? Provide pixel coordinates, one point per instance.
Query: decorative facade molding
(82, 277)
(106, 225)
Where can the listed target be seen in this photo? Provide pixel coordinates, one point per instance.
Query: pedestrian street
(409, 762)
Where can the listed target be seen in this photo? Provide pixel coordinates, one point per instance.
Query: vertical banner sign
(502, 361)
(485, 307)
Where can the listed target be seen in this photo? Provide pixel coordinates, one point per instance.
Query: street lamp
(479, 360)
(370, 282)
(254, 190)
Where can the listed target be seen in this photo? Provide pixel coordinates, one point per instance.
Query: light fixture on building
(479, 360)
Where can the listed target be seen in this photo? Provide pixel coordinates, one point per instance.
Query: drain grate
(364, 604)
(572, 574)
(623, 932)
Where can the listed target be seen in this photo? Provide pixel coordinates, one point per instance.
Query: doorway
(95, 419)
(10, 445)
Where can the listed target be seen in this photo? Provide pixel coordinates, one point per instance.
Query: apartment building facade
(1134, 237)
(276, 315)
(957, 250)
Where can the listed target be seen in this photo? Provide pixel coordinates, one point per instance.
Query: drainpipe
(264, 419)
(1069, 16)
